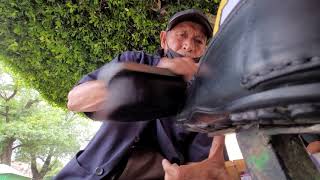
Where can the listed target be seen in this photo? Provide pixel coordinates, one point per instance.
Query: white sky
(233, 147)
(5, 79)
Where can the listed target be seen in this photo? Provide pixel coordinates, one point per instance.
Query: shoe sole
(299, 104)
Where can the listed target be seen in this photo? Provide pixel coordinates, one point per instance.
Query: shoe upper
(262, 45)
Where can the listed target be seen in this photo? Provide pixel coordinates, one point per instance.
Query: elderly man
(154, 149)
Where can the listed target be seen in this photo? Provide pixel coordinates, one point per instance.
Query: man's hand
(314, 147)
(204, 170)
(184, 66)
(209, 169)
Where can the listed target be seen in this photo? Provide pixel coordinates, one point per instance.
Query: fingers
(168, 167)
(217, 149)
(171, 170)
(189, 63)
(184, 66)
(314, 147)
(218, 139)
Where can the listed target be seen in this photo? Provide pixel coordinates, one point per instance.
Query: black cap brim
(192, 15)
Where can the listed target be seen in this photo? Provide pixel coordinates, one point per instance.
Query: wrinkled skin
(188, 39)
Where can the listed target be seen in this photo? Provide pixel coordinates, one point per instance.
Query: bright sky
(5, 79)
(233, 147)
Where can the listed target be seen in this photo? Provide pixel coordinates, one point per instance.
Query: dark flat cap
(192, 15)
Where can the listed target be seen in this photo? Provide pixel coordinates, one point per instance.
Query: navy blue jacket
(115, 139)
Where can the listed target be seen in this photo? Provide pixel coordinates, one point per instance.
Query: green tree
(46, 136)
(52, 43)
(36, 132)
(15, 105)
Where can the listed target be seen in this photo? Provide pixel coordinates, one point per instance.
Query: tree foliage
(52, 43)
(35, 131)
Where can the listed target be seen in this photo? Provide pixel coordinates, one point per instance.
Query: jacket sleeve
(128, 56)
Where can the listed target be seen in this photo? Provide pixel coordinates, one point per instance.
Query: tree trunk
(6, 151)
(39, 175)
(35, 173)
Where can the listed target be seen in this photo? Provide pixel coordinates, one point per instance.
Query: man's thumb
(217, 148)
(169, 169)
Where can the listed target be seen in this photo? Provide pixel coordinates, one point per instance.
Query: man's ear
(163, 39)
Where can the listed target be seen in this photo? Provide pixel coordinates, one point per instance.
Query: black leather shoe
(139, 92)
(264, 63)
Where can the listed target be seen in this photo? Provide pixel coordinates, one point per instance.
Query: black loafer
(263, 64)
(139, 92)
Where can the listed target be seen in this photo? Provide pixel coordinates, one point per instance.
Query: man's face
(186, 38)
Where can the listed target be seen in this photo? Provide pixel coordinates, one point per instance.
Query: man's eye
(199, 41)
(181, 34)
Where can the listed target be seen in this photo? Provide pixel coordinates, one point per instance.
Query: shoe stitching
(278, 70)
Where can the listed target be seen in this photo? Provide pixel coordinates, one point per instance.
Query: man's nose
(188, 45)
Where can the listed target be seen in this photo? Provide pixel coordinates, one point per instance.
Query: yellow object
(222, 4)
